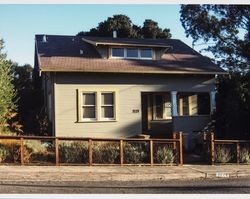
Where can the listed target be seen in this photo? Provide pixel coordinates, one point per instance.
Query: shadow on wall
(133, 128)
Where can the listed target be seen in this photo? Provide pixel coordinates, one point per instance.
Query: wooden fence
(176, 141)
(209, 139)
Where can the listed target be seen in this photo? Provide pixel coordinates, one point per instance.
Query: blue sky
(20, 23)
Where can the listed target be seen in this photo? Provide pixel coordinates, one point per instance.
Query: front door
(156, 114)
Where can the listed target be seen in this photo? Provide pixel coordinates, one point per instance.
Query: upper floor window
(132, 53)
(118, 52)
(146, 53)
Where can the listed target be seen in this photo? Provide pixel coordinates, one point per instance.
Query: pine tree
(8, 107)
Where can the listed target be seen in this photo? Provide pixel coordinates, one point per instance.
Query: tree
(224, 28)
(22, 76)
(126, 29)
(8, 107)
(151, 29)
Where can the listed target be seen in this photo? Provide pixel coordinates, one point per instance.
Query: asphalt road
(208, 186)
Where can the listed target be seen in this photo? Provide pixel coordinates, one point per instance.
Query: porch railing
(53, 143)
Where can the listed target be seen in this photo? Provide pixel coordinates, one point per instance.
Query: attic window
(132, 53)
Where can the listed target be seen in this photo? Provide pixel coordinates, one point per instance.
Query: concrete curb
(119, 173)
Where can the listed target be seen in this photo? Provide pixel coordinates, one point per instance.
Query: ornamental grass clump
(135, 153)
(36, 151)
(165, 155)
(3, 154)
(73, 152)
(106, 153)
(245, 156)
(12, 147)
(222, 154)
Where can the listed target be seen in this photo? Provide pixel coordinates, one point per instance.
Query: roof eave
(140, 72)
(124, 44)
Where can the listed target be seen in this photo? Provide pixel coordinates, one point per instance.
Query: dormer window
(118, 52)
(146, 53)
(132, 53)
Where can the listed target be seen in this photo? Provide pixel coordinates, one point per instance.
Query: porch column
(212, 102)
(174, 103)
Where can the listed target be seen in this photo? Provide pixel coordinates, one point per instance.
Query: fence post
(174, 137)
(151, 153)
(57, 151)
(212, 148)
(21, 151)
(90, 152)
(180, 148)
(121, 152)
(238, 152)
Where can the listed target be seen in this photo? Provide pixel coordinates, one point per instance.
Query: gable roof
(62, 54)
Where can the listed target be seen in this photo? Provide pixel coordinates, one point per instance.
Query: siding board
(129, 89)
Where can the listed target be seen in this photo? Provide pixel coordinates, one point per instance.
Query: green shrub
(222, 154)
(31, 149)
(135, 153)
(73, 152)
(106, 153)
(245, 156)
(13, 148)
(3, 154)
(165, 155)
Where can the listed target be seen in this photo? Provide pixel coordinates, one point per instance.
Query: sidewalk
(117, 173)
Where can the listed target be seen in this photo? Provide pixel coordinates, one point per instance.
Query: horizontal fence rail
(236, 149)
(60, 150)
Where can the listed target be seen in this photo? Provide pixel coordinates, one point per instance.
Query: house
(120, 87)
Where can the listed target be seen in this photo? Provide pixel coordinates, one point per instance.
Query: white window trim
(81, 106)
(126, 57)
(98, 105)
(108, 105)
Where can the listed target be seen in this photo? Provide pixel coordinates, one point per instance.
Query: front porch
(167, 112)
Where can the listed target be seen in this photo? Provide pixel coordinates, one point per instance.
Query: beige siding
(129, 89)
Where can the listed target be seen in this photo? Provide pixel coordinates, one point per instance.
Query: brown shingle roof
(62, 53)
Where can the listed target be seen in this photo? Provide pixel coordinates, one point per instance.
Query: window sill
(192, 115)
(162, 120)
(95, 121)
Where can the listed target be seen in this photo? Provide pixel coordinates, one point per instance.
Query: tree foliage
(233, 106)
(126, 29)
(8, 106)
(224, 28)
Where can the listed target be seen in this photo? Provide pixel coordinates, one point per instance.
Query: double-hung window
(89, 106)
(97, 106)
(107, 106)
